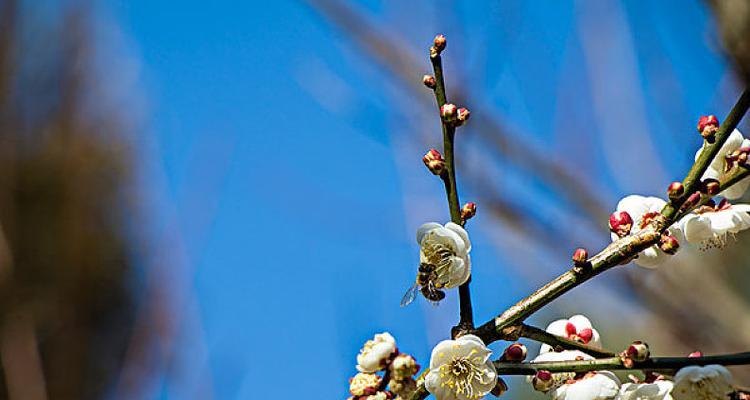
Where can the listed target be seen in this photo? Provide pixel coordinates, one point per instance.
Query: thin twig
(466, 315)
(615, 363)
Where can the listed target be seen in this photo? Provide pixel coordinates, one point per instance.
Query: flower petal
(737, 190)
(461, 232)
(426, 228)
(696, 228)
(652, 257)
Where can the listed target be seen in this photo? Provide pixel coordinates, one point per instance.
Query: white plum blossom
(720, 166)
(559, 378)
(642, 210)
(656, 390)
(577, 327)
(461, 369)
(709, 226)
(375, 354)
(712, 382)
(599, 385)
(447, 249)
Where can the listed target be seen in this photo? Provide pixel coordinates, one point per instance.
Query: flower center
(438, 254)
(461, 374)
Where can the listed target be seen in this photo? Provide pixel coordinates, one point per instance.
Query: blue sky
(277, 159)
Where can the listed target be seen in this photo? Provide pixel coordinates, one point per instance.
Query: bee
(425, 283)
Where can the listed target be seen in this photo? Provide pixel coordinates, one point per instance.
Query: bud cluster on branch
(572, 363)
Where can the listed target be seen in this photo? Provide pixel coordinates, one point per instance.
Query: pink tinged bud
(468, 211)
(462, 115)
(542, 381)
(695, 354)
(706, 121)
(440, 42)
(449, 113)
(692, 201)
(586, 335)
(710, 186)
(500, 388)
(638, 351)
(580, 256)
(708, 125)
(516, 352)
(620, 223)
(434, 161)
(675, 190)
(429, 81)
(669, 244)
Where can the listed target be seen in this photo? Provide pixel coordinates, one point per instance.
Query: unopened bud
(710, 186)
(695, 354)
(542, 381)
(516, 352)
(638, 351)
(462, 115)
(692, 201)
(429, 81)
(669, 244)
(468, 210)
(434, 161)
(364, 384)
(403, 366)
(580, 256)
(620, 223)
(449, 113)
(440, 42)
(675, 190)
(500, 388)
(708, 125)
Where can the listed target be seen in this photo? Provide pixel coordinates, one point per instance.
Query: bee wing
(410, 295)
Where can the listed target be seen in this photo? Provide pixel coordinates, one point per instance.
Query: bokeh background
(218, 200)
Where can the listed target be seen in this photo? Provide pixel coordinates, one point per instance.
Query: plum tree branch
(615, 363)
(466, 314)
(620, 251)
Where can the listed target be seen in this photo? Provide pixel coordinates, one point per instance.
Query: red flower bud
(468, 211)
(516, 352)
(706, 121)
(429, 81)
(462, 115)
(669, 244)
(580, 256)
(440, 42)
(708, 125)
(695, 354)
(449, 112)
(692, 201)
(620, 223)
(675, 190)
(542, 381)
(710, 186)
(638, 351)
(434, 161)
